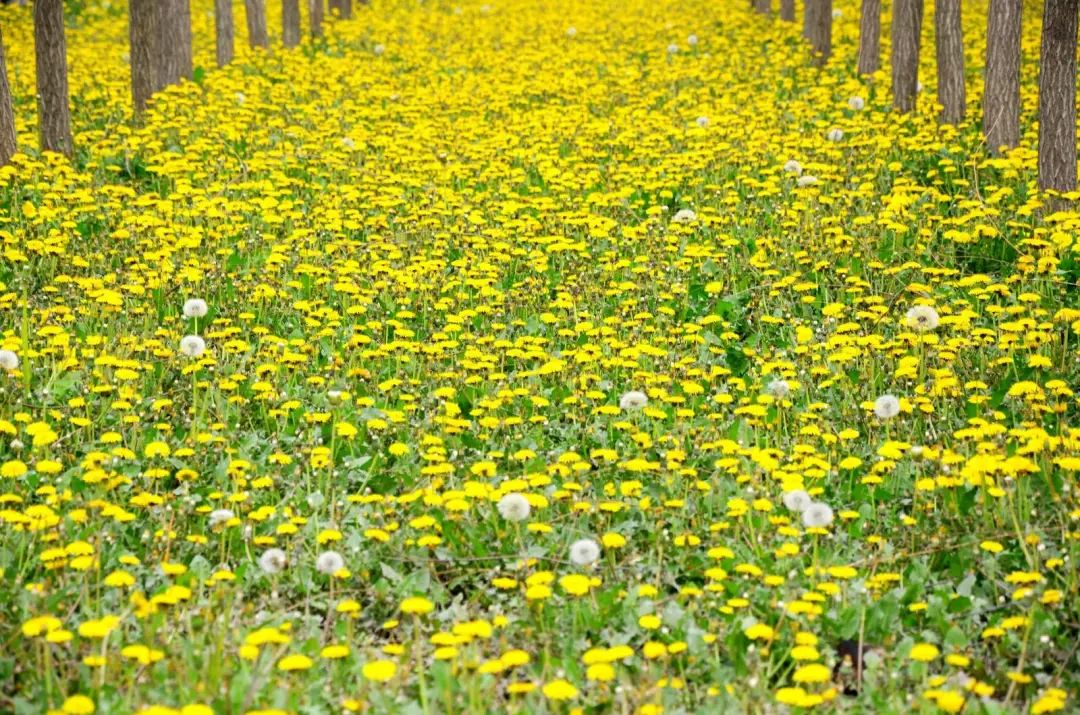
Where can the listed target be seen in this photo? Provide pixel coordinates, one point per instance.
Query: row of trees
(161, 55)
(1001, 95)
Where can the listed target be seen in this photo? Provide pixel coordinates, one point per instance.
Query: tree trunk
(1001, 95)
(870, 37)
(290, 22)
(50, 50)
(316, 10)
(817, 28)
(906, 33)
(949, 39)
(343, 7)
(763, 6)
(255, 10)
(223, 22)
(8, 145)
(1057, 96)
(787, 10)
(144, 30)
(174, 42)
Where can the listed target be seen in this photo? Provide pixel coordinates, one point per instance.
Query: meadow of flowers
(532, 357)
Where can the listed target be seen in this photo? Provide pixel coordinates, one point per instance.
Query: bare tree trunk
(1001, 95)
(343, 7)
(817, 28)
(949, 39)
(174, 42)
(316, 10)
(50, 50)
(255, 11)
(223, 22)
(290, 22)
(1057, 96)
(906, 33)
(763, 6)
(8, 145)
(870, 37)
(787, 10)
(142, 31)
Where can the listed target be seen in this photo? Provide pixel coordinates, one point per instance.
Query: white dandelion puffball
(807, 180)
(220, 516)
(633, 400)
(797, 500)
(584, 552)
(817, 515)
(316, 500)
(703, 122)
(793, 167)
(329, 562)
(837, 14)
(684, 216)
(922, 318)
(672, 49)
(273, 561)
(379, 49)
(692, 40)
(192, 346)
(835, 134)
(8, 360)
(241, 97)
(778, 388)
(856, 103)
(195, 308)
(886, 407)
(571, 32)
(514, 507)
(348, 142)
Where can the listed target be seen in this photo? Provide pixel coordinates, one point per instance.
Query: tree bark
(1001, 95)
(1057, 96)
(316, 9)
(144, 34)
(174, 42)
(50, 51)
(8, 145)
(223, 23)
(949, 39)
(787, 10)
(906, 33)
(290, 22)
(343, 7)
(763, 6)
(817, 28)
(870, 37)
(255, 12)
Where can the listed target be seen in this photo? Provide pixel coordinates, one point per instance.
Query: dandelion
(8, 360)
(315, 500)
(633, 400)
(835, 134)
(329, 563)
(571, 31)
(886, 407)
(273, 561)
(220, 516)
(692, 40)
(672, 49)
(817, 515)
(192, 345)
(778, 388)
(856, 103)
(379, 49)
(703, 122)
(514, 507)
(584, 552)
(792, 167)
(797, 500)
(922, 318)
(195, 308)
(684, 216)
(806, 180)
